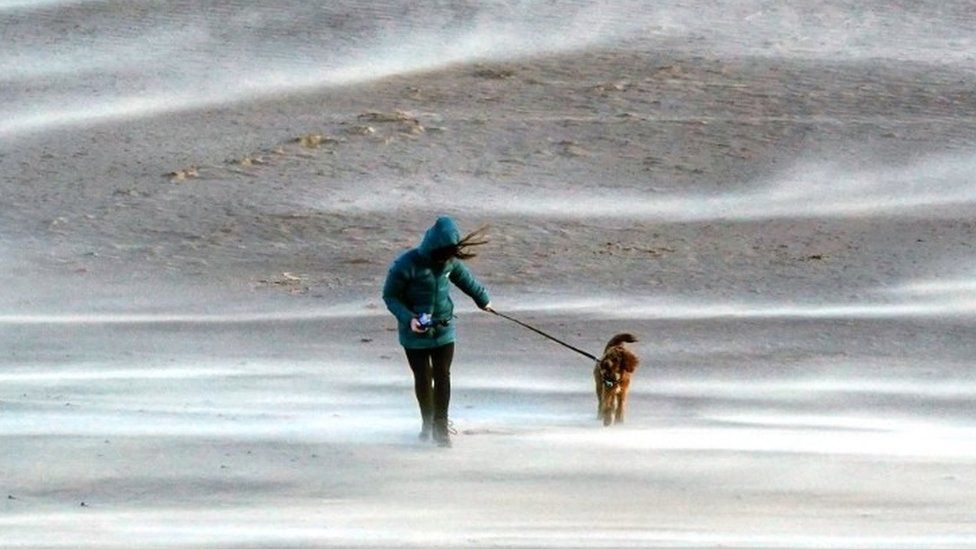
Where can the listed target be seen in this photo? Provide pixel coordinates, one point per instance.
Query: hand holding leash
(417, 327)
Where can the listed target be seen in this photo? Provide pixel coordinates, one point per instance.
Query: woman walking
(418, 294)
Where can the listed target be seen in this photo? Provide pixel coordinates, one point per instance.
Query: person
(417, 292)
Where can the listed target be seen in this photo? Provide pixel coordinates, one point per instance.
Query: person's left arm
(463, 279)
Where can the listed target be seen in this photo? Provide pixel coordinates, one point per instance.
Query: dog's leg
(608, 405)
(602, 411)
(621, 402)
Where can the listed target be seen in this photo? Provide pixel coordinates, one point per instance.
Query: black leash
(543, 334)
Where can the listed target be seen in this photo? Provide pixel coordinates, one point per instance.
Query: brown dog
(612, 375)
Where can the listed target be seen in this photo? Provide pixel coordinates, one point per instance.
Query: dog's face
(612, 370)
(609, 373)
(616, 364)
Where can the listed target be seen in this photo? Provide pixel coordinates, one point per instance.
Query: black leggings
(432, 380)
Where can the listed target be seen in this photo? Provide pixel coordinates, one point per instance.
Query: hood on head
(444, 232)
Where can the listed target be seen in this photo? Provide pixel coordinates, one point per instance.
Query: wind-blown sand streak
(776, 198)
(806, 191)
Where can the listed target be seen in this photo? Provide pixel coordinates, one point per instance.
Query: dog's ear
(630, 363)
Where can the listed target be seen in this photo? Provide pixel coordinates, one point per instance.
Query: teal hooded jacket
(416, 284)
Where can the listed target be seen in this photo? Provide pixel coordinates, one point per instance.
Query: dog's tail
(620, 338)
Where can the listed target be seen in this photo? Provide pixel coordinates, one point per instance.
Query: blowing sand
(195, 352)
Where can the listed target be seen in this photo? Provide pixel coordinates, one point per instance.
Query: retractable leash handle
(543, 334)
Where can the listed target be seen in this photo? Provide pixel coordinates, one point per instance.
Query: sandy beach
(200, 202)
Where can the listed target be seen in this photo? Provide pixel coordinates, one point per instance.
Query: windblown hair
(477, 237)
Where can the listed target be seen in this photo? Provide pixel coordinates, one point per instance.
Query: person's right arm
(393, 290)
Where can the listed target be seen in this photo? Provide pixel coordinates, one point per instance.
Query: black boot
(442, 433)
